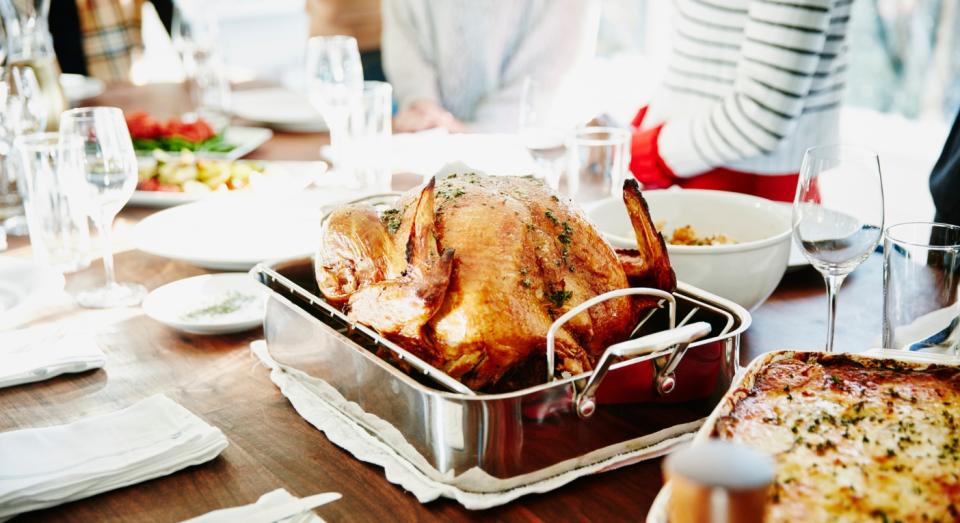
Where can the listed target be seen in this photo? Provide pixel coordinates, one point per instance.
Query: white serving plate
(278, 108)
(77, 87)
(24, 286)
(244, 140)
(236, 231)
(280, 176)
(658, 510)
(176, 303)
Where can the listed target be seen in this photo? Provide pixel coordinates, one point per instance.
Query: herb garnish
(391, 218)
(231, 302)
(559, 297)
(550, 216)
(567, 234)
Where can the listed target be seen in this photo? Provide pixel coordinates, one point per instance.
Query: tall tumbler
(597, 162)
(369, 132)
(921, 287)
(50, 172)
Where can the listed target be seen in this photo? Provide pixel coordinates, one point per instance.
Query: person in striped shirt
(751, 85)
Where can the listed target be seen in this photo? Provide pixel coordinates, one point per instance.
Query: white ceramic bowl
(746, 272)
(209, 304)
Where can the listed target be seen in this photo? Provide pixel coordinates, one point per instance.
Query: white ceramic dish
(279, 177)
(77, 88)
(278, 108)
(209, 304)
(236, 231)
(658, 510)
(24, 286)
(245, 140)
(746, 272)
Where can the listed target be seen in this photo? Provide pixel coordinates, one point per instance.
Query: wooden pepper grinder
(717, 481)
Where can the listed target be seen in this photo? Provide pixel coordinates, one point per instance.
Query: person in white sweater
(750, 86)
(461, 64)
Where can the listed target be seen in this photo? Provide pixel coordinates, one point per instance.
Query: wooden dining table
(271, 446)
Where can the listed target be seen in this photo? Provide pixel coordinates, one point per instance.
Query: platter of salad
(197, 136)
(168, 179)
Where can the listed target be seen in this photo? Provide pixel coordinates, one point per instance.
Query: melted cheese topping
(854, 443)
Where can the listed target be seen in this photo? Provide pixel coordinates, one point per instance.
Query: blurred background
(902, 89)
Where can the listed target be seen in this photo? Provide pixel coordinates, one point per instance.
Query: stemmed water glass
(334, 81)
(110, 169)
(838, 214)
(540, 133)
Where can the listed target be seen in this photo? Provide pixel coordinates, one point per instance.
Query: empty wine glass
(838, 214)
(540, 133)
(110, 169)
(334, 79)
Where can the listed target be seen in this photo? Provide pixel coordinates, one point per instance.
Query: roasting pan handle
(650, 344)
(619, 293)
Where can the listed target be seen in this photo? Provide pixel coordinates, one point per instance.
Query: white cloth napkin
(43, 467)
(38, 354)
(314, 400)
(301, 509)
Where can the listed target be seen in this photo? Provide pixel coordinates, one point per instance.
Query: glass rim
(932, 225)
(331, 38)
(44, 140)
(88, 112)
(816, 149)
(617, 136)
(377, 87)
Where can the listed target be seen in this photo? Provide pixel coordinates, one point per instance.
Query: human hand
(426, 114)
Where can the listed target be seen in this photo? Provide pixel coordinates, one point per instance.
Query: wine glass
(110, 169)
(542, 136)
(838, 214)
(334, 81)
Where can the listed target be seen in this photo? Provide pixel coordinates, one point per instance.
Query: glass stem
(338, 141)
(104, 224)
(833, 289)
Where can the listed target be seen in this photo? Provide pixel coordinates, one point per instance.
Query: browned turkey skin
(469, 273)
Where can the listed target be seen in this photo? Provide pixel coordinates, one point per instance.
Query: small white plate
(244, 140)
(24, 286)
(280, 177)
(209, 304)
(77, 87)
(278, 108)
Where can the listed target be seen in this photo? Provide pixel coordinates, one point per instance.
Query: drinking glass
(597, 162)
(28, 110)
(921, 287)
(25, 112)
(334, 78)
(110, 169)
(370, 131)
(838, 215)
(541, 136)
(51, 176)
(195, 33)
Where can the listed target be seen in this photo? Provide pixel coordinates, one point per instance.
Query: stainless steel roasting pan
(661, 383)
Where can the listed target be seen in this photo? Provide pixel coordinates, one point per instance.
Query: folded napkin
(34, 355)
(277, 505)
(48, 466)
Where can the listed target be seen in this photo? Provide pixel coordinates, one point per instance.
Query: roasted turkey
(470, 271)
